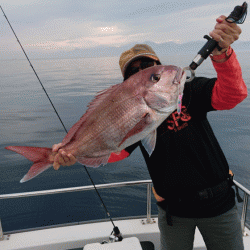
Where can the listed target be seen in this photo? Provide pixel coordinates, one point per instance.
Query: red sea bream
(116, 118)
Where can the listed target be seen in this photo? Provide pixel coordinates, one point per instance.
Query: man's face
(139, 65)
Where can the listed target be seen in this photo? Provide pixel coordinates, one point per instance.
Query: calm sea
(27, 118)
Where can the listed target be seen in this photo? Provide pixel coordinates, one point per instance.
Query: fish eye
(155, 78)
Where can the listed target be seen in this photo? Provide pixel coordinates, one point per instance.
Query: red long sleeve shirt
(229, 89)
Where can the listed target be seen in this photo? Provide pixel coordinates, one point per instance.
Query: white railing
(115, 185)
(244, 206)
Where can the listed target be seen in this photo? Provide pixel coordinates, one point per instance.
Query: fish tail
(39, 156)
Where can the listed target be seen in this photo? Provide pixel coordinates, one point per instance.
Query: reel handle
(238, 15)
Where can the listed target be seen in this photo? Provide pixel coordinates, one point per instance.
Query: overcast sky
(48, 25)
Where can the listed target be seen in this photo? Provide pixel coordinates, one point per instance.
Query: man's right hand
(61, 157)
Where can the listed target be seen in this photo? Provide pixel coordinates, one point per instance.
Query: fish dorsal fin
(149, 142)
(98, 100)
(101, 96)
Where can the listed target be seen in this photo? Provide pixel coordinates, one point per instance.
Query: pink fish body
(117, 118)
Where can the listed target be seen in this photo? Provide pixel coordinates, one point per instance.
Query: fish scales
(102, 134)
(117, 118)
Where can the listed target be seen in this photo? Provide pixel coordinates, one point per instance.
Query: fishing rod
(238, 15)
(116, 230)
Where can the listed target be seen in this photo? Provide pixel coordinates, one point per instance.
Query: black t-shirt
(188, 158)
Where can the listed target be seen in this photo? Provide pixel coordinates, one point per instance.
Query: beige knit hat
(139, 50)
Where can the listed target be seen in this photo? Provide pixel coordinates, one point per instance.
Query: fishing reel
(238, 15)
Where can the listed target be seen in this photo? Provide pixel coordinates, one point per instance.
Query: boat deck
(77, 236)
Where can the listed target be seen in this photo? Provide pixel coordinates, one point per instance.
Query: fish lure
(179, 102)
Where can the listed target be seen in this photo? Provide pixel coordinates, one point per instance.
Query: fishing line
(34, 70)
(105, 208)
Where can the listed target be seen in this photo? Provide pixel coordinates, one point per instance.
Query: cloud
(88, 42)
(67, 25)
(188, 24)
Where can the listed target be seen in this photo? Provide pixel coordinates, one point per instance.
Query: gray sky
(48, 26)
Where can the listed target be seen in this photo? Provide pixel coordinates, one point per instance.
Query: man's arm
(229, 89)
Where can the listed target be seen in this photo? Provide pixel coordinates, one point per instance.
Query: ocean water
(27, 118)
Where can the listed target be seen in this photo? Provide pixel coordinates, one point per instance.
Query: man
(188, 168)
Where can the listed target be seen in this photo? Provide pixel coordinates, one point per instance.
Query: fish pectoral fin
(145, 121)
(93, 162)
(149, 142)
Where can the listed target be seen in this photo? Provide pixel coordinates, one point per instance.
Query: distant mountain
(167, 48)
(161, 49)
(241, 46)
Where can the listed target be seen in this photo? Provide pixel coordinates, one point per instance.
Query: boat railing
(246, 193)
(117, 185)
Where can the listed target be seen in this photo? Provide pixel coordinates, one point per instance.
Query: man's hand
(225, 34)
(61, 157)
(157, 197)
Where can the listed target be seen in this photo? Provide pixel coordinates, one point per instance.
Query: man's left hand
(225, 34)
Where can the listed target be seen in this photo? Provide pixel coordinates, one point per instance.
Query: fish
(116, 118)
